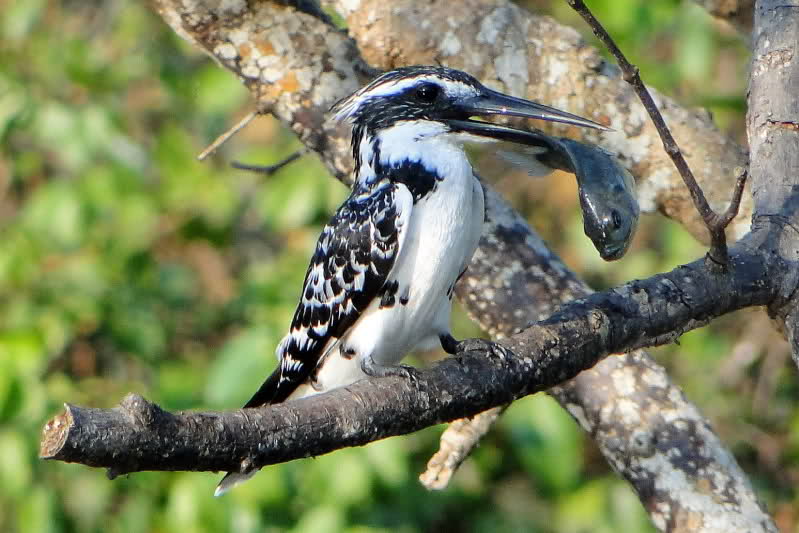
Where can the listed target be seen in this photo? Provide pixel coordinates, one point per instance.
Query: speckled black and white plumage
(362, 283)
(381, 278)
(380, 281)
(350, 266)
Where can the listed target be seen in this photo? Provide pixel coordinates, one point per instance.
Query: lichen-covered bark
(641, 421)
(535, 57)
(295, 65)
(773, 116)
(683, 475)
(773, 130)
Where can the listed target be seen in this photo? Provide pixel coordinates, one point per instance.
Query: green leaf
(242, 364)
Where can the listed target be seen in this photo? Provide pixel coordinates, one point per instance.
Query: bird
(381, 278)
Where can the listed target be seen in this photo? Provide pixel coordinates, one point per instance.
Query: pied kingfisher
(381, 278)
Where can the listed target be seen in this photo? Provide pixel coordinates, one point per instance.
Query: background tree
(166, 261)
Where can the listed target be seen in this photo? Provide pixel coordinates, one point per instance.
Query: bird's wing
(353, 259)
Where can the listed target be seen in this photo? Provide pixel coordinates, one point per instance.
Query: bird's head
(446, 97)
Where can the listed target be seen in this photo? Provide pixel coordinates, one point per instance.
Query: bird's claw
(408, 372)
(376, 370)
(493, 349)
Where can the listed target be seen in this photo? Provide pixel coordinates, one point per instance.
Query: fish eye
(615, 217)
(427, 92)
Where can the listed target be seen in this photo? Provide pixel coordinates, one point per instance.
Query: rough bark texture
(297, 65)
(773, 130)
(621, 402)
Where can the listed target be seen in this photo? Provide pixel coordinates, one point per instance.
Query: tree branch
(457, 443)
(268, 170)
(620, 402)
(773, 131)
(140, 436)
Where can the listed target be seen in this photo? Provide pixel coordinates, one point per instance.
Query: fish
(606, 189)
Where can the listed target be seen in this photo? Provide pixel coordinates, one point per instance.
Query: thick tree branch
(773, 130)
(139, 436)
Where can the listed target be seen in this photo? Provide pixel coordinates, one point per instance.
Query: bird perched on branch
(381, 279)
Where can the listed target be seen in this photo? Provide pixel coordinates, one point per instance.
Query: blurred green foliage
(127, 265)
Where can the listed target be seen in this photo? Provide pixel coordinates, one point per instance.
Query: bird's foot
(453, 346)
(449, 343)
(376, 370)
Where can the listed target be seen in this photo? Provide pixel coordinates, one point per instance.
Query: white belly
(442, 235)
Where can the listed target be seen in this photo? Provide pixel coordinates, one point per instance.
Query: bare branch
(716, 224)
(773, 115)
(773, 131)
(140, 436)
(268, 170)
(222, 139)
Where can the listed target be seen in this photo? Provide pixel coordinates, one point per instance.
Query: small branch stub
(269, 170)
(717, 257)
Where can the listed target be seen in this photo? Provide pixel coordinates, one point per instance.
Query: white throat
(423, 141)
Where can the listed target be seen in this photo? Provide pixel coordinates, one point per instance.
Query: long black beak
(494, 103)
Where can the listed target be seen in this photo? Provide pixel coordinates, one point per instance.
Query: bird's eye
(616, 219)
(427, 92)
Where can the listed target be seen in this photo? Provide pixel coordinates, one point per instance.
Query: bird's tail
(274, 390)
(232, 479)
(266, 394)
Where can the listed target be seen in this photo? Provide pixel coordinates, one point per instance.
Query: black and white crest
(391, 96)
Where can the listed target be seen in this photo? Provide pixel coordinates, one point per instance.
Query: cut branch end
(55, 433)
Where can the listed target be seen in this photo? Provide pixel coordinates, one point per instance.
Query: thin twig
(268, 170)
(228, 134)
(716, 224)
